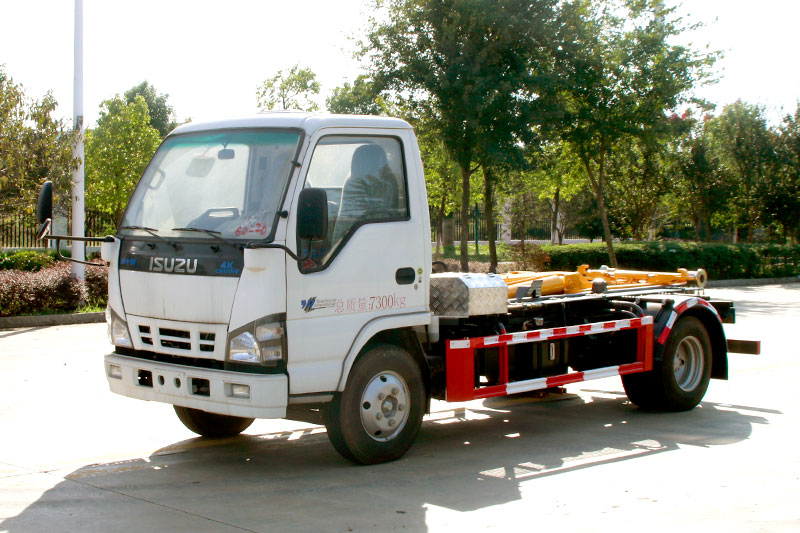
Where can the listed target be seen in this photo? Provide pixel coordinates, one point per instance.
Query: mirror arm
(258, 245)
(59, 238)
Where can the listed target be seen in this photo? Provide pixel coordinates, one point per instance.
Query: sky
(210, 56)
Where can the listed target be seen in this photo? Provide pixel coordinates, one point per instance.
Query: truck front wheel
(210, 424)
(679, 381)
(378, 415)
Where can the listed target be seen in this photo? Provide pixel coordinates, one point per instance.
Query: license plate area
(168, 382)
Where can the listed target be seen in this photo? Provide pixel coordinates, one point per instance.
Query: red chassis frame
(460, 356)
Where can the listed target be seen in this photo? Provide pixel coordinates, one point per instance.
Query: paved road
(74, 457)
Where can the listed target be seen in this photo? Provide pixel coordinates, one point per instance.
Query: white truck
(284, 260)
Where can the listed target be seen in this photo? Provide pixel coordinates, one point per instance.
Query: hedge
(26, 260)
(51, 290)
(48, 286)
(721, 261)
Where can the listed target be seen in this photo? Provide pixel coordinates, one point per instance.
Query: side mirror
(44, 209)
(312, 215)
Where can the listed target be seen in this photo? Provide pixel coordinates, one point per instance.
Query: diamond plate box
(459, 295)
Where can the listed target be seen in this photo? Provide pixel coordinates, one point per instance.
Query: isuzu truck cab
(285, 260)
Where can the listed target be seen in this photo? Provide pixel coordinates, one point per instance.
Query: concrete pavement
(73, 456)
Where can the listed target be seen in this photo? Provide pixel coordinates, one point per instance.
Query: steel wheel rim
(384, 406)
(688, 363)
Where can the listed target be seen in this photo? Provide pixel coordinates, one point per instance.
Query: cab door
(371, 262)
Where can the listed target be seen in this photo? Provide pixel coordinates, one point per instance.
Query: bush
(96, 281)
(721, 261)
(26, 260)
(49, 290)
(528, 256)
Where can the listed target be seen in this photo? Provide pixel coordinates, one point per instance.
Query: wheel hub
(688, 364)
(384, 406)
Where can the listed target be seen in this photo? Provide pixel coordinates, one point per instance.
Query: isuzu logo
(173, 265)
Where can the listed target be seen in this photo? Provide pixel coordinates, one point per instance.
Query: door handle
(405, 276)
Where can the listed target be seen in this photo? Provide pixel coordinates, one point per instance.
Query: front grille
(180, 338)
(166, 332)
(176, 344)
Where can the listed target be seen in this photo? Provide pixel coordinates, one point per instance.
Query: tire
(378, 415)
(210, 424)
(679, 381)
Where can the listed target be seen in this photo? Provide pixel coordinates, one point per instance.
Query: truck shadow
(465, 459)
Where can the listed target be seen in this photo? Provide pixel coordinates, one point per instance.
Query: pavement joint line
(28, 470)
(164, 506)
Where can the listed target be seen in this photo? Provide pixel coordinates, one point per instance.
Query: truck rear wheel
(378, 415)
(679, 381)
(211, 424)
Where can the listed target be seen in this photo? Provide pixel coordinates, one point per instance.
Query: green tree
(620, 75)
(554, 176)
(117, 152)
(162, 116)
(583, 207)
(441, 176)
(363, 97)
(290, 89)
(700, 187)
(746, 149)
(782, 195)
(474, 65)
(639, 175)
(34, 147)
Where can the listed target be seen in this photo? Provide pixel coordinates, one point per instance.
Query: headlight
(243, 348)
(260, 342)
(118, 333)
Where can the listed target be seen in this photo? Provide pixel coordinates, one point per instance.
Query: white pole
(78, 215)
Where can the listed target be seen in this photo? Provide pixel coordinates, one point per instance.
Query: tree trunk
(465, 173)
(597, 187)
(488, 207)
(440, 226)
(448, 232)
(554, 218)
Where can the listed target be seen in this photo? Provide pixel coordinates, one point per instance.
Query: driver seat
(370, 192)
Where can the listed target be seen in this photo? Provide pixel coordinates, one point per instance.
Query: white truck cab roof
(307, 122)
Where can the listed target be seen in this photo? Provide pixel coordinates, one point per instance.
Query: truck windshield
(231, 183)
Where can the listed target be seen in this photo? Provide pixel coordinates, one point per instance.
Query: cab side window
(364, 179)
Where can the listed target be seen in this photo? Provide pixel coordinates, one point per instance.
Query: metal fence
(480, 220)
(19, 231)
(538, 229)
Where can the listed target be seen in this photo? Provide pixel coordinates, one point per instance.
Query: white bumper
(207, 390)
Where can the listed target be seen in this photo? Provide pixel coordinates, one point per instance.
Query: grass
(454, 252)
(85, 309)
(92, 308)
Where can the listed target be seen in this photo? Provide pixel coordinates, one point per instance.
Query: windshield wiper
(216, 234)
(154, 233)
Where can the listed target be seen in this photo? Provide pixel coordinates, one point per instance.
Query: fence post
(477, 227)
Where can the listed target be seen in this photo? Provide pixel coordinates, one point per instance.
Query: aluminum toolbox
(459, 295)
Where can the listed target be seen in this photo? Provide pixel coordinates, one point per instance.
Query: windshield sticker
(257, 227)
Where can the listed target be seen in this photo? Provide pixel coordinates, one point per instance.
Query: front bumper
(198, 388)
